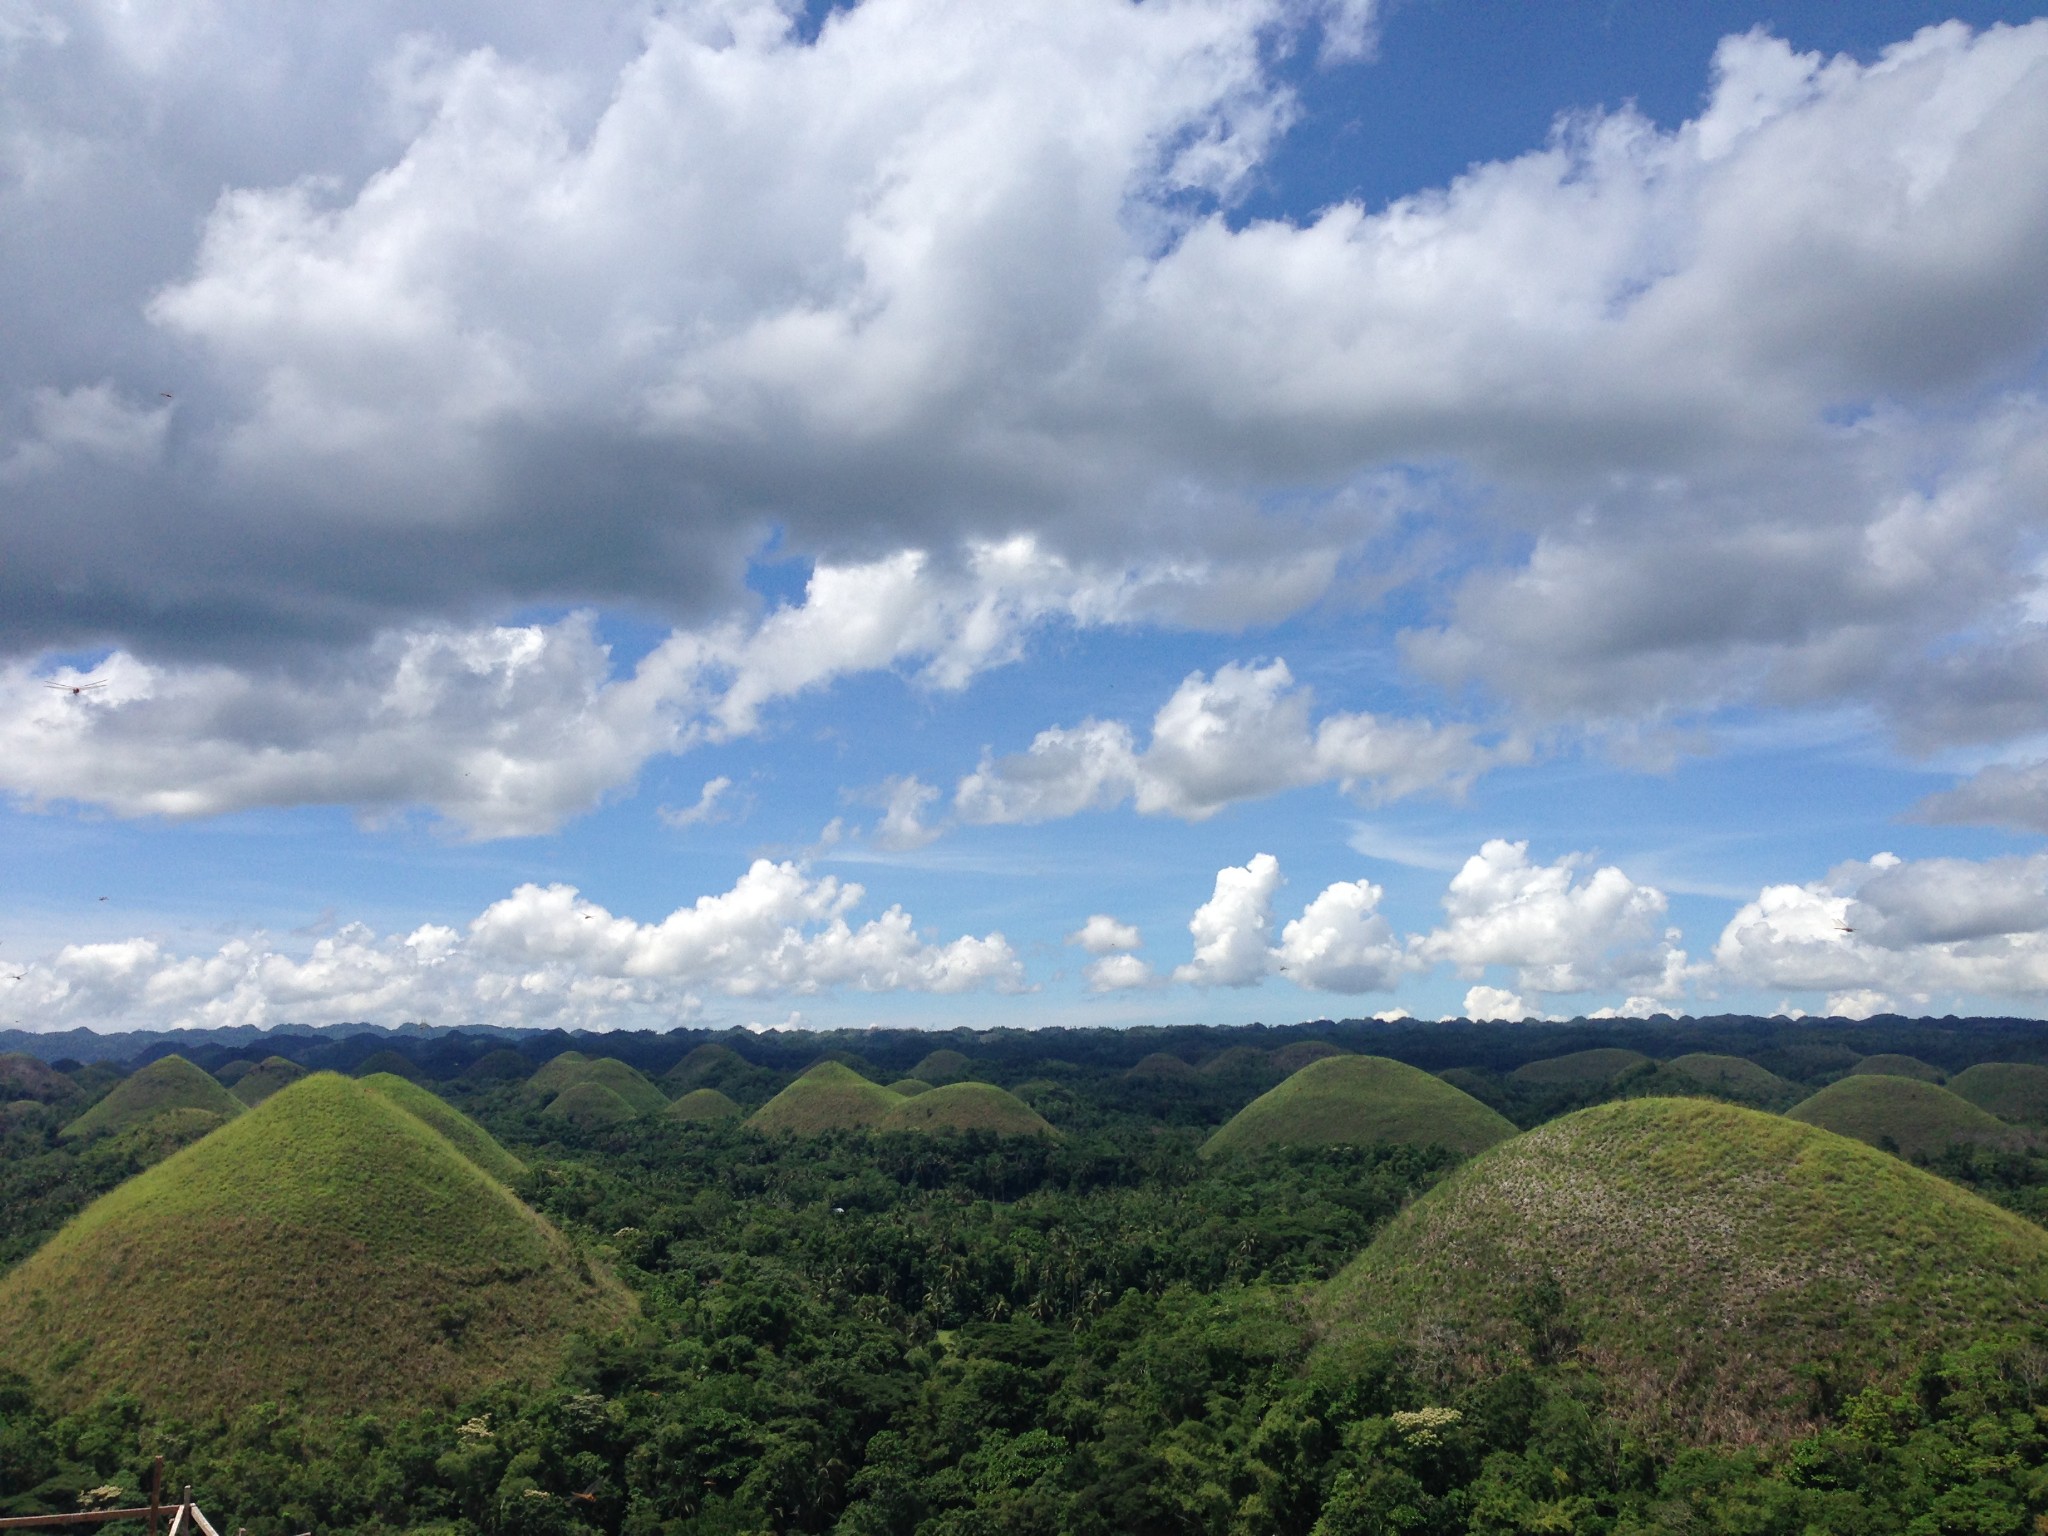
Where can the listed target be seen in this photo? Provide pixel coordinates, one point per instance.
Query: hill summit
(327, 1250)
(1714, 1265)
(170, 1082)
(1361, 1100)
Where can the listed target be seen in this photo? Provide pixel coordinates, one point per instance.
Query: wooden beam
(81, 1517)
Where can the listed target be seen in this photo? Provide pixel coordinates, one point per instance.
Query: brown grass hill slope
(467, 1137)
(326, 1251)
(1707, 1263)
(265, 1078)
(1734, 1077)
(831, 1096)
(24, 1077)
(702, 1105)
(1905, 1115)
(589, 1106)
(2015, 1091)
(170, 1082)
(967, 1107)
(1361, 1100)
(1601, 1065)
(1889, 1065)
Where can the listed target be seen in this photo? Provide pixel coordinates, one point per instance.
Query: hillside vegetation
(1361, 1100)
(942, 1066)
(831, 1096)
(2014, 1091)
(265, 1077)
(703, 1104)
(966, 1107)
(1711, 1263)
(1890, 1064)
(1905, 1115)
(24, 1077)
(468, 1138)
(590, 1104)
(170, 1082)
(326, 1249)
(1736, 1076)
(1594, 1066)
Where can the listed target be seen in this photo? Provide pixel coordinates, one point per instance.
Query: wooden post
(156, 1493)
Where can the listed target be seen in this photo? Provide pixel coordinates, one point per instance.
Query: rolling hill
(708, 1066)
(831, 1096)
(1735, 1076)
(24, 1077)
(325, 1251)
(1917, 1119)
(1292, 1058)
(499, 1066)
(1361, 1100)
(389, 1063)
(468, 1138)
(170, 1082)
(703, 1104)
(942, 1066)
(590, 1105)
(967, 1107)
(557, 1073)
(1708, 1262)
(1897, 1066)
(265, 1078)
(1596, 1066)
(573, 1067)
(2015, 1091)
(1161, 1064)
(910, 1087)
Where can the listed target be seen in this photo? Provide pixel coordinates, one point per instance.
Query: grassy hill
(469, 1138)
(24, 1077)
(1735, 1076)
(590, 1104)
(499, 1066)
(1707, 1261)
(967, 1107)
(1361, 1100)
(389, 1063)
(265, 1078)
(1292, 1058)
(2015, 1091)
(702, 1104)
(910, 1087)
(1918, 1119)
(831, 1096)
(1240, 1061)
(1160, 1064)
(1897, 1066)
(708, 1066)
(942, 1066)
(1595, 1066)
(558, 1073)
(170, 1082)
(326, 1249)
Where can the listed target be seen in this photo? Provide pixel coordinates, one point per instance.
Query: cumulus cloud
(540, 956)
(1485, 1004)
(1104, 935)
(1232, 927)
(577, 310)
(1873, 930)
(710, 805)
(1561, 930)
(1117, 973)
(1341, 943)
(1244, 733)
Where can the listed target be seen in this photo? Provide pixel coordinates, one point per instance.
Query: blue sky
(1202, 512)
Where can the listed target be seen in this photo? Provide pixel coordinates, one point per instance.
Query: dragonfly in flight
(74, 689)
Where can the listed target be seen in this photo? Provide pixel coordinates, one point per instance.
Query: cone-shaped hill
(831, 1096)
(265, 1078)
(702, 1104)
(1890, 1065)
(967, 1107)
(502, 1065)
(1601, 1065)
(589, 1105)
(1292, 1058)
(2015, 1091)
(1360, 1100)
(910, 1087)
(1704, 1259)
(559, 1072)
(943, 1066)
(708, 1066)
(395, 1063)
(1161, 1064)
(169, 1082)
(327, 1248)
(607, 1072)
(469, 1138)
(1904, 1114)
(1736, 1076)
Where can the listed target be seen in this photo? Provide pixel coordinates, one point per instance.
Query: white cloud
(1232, 927)
(709, 806)
(1484, 1004)
(542, 955)
(1103, 935)
(1561, 933)
(1117, 973)
(1242, 734)
(1871, 931)
(1341, 943)
(902, 825)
